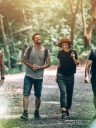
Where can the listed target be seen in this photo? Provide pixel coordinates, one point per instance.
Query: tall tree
(88, 28)
(74, 10)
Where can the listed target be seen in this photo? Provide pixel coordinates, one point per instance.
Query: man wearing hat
(65, 74)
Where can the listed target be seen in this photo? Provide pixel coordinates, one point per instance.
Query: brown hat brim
(64, 41)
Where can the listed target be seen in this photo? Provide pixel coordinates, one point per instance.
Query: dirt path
(11, 103)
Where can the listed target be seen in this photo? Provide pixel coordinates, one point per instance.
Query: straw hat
(64, 40)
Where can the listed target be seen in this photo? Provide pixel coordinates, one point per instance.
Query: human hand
(86, 80)
(73, 55)
(35, 66)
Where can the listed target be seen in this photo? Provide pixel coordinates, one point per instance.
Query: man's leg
(25, 102)
(26, 93)
(24, 116)
(37, 103)
(93, 82)
(37, 106)
(94, 100)
(37, 89)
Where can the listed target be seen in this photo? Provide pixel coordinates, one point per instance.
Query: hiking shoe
(24, 117)
(94, 117)
(36, 115)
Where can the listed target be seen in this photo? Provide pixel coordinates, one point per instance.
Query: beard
(38, 41)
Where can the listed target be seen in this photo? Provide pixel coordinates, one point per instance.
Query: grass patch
(11, 123)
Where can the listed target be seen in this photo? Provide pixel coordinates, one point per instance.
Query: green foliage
(25, 17)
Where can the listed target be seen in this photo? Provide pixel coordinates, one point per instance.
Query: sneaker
(24, 117)
(36, 115)
(67, 113)
(63, 115)
(94, 117)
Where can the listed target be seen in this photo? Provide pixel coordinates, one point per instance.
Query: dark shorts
(93, 82)
(28, 82)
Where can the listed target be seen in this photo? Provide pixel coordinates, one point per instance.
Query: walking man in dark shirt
(65, 74)
(91, 64)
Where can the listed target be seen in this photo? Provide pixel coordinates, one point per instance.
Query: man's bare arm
(25, 61)
(87, 70)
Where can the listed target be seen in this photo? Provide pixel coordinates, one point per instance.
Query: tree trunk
(24, 16)
(74, 11)
(87, 31)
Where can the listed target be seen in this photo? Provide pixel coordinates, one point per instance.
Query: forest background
(20, 19)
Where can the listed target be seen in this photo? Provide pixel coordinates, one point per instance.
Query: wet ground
(81, 112)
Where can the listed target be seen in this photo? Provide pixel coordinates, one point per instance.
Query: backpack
(45, 53)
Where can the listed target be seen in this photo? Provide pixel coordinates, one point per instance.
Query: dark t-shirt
(92, 57)
(67, 65)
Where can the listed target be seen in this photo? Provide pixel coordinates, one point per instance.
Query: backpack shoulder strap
(29, 51)
(45, 54)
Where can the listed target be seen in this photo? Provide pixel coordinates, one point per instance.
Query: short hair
(35, 35)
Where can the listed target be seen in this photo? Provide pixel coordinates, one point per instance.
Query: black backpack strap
(45, 54)
(29, 51)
